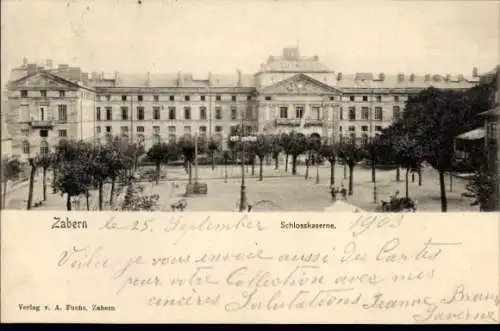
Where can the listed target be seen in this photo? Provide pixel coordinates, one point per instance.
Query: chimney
(448, 77)
(210, 79)
(291, 53)
(436, 78)
(148, 79)
(381, 76)
(339, 76)
(475, 73)
(75, 73)
(427, 77)
(117, 79)
(461, 78)
(180, 78)
(25, 61)
(32, 68)
(412, 77)
(49, 64)
(401, 77)
(101, 75)
(95, 76)
(84, 78)
(316, 58)
(262, 67)
(63, 67)
(240, 83)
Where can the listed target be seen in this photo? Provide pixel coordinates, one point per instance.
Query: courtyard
(279, 191)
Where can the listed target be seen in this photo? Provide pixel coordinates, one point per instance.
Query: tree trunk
(419, 176)
(373, 171)
(30, 190)
(4, 194)
(451, 182)
(442, 187)
(100, 188)
(213, 161)
(158, 166)
(294, 164)
(54, 174)
(332, 172)
(406, 183)
(345, 170)
(317, 173)
(190, 172)
(87, 196)
(261, 176)
(286, 163)
(276, 160)
(398, 175)
(44, 186)
(413, 176)
(307, 169)
(68, 202)
(253, 165)
(112, 193)
(351, 174)
(225, 172)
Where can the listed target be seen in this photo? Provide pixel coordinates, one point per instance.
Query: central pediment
(300, 84)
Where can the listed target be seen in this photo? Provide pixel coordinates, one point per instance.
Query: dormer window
(139, 98)
(24, 94)
(43, 93)
(62, 94)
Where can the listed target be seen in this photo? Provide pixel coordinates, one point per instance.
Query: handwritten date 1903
(136, 226)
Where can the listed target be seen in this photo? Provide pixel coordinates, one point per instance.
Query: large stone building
(289, 92)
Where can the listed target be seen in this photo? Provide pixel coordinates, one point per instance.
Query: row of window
(365, 113)
(156, 129)
(172, 113)
(378, 98)
(364, 128)
(156, 98)
(43, 93)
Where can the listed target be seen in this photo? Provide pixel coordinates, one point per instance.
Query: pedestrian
(343, 191)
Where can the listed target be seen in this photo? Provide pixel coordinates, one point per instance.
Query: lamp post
(196, 159)
(243, 198)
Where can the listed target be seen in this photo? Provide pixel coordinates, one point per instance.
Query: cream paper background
(459, 284)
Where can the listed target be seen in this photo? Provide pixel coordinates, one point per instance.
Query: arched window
(26, 147)
(44, 147)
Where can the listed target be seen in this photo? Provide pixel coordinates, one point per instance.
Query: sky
(199, 36)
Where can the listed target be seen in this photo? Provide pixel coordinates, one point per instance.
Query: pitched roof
(170, 80)
(475, 134)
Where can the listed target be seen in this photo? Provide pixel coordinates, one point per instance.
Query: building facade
(289, 93)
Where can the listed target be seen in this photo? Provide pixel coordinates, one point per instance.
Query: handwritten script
(235, 267)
